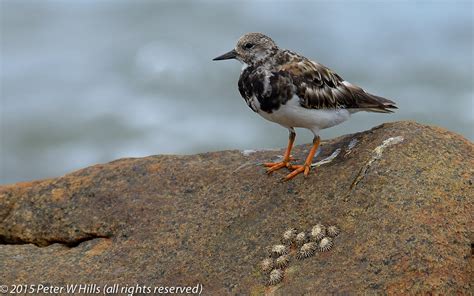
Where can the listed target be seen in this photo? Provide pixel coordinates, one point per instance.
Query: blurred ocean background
(85, 82)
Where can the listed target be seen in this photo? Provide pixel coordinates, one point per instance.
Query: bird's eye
(248, 45)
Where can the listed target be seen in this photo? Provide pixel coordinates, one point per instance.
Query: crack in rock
(350, 146)
(378, 151)
(70, 243)
(327, 159)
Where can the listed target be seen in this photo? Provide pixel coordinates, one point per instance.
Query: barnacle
(267, 265)
(278, 250)
(333, 231)
(301, 239)
(289, 236)
(325, 244)
(282, 261)
(307, 250)
(318, 232)
(275, 277)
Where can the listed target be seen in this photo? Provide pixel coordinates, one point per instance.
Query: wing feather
(318, 87)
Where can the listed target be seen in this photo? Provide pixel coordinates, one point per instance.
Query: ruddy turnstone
(293, 91)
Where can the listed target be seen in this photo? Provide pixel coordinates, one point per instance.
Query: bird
(295, 92)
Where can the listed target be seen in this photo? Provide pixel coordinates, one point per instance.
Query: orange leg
(274, 166)
(306, 167)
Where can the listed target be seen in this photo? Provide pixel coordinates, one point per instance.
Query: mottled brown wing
(320, 88)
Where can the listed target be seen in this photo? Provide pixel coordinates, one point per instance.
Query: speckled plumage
(293, 91)
(285, 74)
(273, 76)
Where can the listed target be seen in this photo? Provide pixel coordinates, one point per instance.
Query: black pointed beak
(226, 56)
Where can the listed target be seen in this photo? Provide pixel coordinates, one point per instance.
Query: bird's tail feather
(377, 104)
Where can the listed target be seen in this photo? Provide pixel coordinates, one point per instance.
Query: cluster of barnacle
(319, 238)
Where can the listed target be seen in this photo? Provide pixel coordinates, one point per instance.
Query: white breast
(292, 114)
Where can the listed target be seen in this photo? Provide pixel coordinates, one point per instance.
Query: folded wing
(320, 88)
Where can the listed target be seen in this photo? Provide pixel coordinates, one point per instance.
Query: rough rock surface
(404, 207)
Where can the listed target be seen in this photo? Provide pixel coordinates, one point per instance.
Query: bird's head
(250, 49)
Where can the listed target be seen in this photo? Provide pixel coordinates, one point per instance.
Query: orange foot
(306, 167)
(275, 166)
(298, 169)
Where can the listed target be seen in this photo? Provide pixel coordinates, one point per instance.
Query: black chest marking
(271, 88)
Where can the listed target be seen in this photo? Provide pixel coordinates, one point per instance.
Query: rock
(401, 195)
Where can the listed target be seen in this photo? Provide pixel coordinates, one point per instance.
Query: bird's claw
(298, 169)
(274, 166)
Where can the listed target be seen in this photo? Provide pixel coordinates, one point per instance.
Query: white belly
(293, 115)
